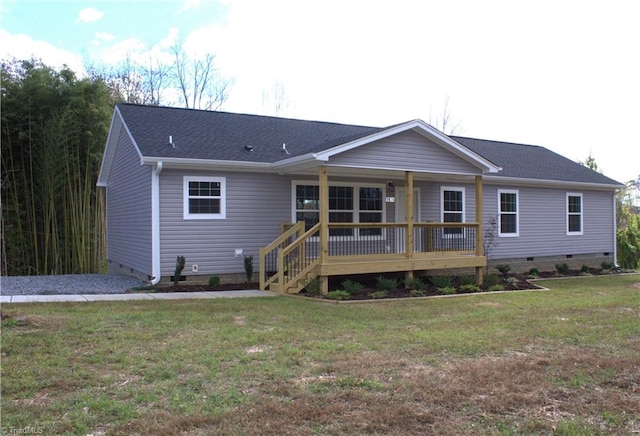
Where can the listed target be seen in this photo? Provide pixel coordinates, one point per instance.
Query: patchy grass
(564, 361)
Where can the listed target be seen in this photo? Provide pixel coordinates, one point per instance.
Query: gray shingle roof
(223, 136)
(532, 162)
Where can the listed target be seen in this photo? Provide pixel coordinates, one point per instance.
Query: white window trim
(356, 202)
(464, 209)
(566, 202)
(204, 216)
(517, 213)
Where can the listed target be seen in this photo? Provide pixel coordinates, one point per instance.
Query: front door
(401, 215)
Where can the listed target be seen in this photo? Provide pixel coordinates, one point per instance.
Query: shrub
(338, 295)
(446, 290)
(628, 238)
(214, 281)
(491, 280)
(606, 265)
(379, 294)
(352, 287)
(180, 261)
(414, 284)
(468, 289)
(467, 280)
(312, 286)
(496, 288)
(248, 267)
(534, 272)
(513, 282)
(417, 293)
(585, 268)
(386, 284)
(441, 281)
(562, 268)
(503, 268)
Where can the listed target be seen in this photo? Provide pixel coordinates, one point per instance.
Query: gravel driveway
(67, 284)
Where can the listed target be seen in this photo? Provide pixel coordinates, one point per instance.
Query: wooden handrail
(296, 228)
(300, 243)
(402, 224)
(301, 239)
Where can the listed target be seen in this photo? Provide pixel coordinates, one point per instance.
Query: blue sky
(561, 74)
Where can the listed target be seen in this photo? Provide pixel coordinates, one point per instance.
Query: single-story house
(317, 199)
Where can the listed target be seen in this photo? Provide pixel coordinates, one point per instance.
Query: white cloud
(103, 36)
(129, 48)
(89, 15)
(189, 4)
(25, 47)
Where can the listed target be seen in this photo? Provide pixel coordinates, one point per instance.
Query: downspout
(615, 230)
(155, 224)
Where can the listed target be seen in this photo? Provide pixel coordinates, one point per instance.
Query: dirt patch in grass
(520, 392)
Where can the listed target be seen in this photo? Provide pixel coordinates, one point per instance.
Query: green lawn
(563, 361)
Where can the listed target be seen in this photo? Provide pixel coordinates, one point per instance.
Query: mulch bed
(192, 287)
(368, 281)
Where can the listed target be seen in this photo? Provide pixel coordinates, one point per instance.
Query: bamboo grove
(54, 127)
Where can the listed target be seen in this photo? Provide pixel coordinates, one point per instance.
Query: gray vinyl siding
(407, 151)
(129, 209)
(256, 204)
(543, 223)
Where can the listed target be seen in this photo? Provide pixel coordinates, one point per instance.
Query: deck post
(324, 224)
(479, 230)
(408, 178)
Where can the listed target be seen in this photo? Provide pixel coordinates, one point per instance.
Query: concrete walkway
(4, 299)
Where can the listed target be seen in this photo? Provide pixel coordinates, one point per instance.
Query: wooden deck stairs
(286, 265)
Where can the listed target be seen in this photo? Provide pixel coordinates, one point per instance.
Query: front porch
(332, 249)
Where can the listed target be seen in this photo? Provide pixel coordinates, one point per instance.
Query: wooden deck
(290, 261)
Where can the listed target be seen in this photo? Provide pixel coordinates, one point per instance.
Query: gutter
(549, 183)
(615, 230)
(155, 223)
(204, 163)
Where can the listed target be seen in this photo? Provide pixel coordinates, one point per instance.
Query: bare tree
(445, 123)
(197, 79)
(275, 96)
(155, 78)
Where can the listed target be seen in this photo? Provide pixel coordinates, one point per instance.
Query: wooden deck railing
(297, 260)
(289, 260)
(356, 239)
(269, 254)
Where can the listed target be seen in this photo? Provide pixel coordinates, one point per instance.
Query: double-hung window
(370, 210)
(574, 214)
(204, 198)
(452, 200)
(341, 209)
(347, 204)
(508, 213)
